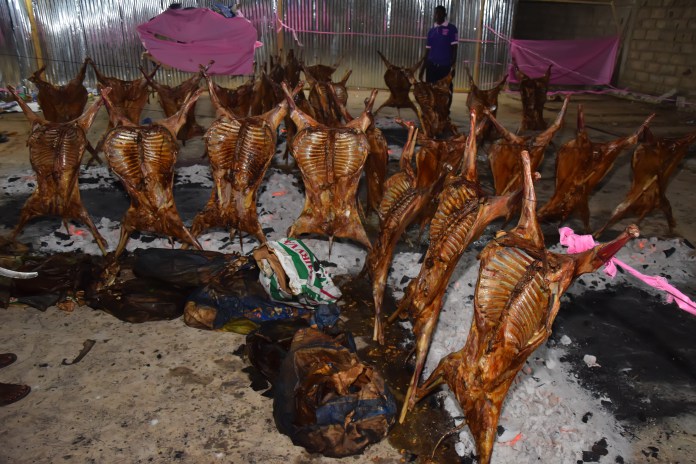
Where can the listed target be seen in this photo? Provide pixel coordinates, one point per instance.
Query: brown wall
(659, 47)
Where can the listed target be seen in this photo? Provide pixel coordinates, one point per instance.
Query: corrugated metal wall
(322, 31)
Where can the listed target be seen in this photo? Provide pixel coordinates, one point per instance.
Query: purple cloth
(575, 62)
(186, 39)
(440, 41)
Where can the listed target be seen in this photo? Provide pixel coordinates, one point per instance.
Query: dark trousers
(435, 72)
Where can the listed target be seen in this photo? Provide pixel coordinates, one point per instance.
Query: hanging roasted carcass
(129, 97)
(580, 165)
(319, 79)
(171, 99)
(433, 101)
(504, 153)
(406, 194)
(653, 163)
(377, 159)
(463, 212)
(477, 100)
(237, 100)
(55, 153)
(517, 298)
(533, 95)
(143, 158)
(61, 103)
(267, 94)
(240, 151)
(331, 161)
(398, 81)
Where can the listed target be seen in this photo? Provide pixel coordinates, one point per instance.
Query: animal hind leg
(101, 243)
(666, 208)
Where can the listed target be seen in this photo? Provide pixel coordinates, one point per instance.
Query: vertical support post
(34, 33)
(280, 33)
(479, 44)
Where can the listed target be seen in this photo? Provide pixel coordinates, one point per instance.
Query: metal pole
(479, 43)
(280, 41)
(34, 34)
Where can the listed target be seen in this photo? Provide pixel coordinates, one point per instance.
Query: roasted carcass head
(477, 100)
(398, 80)
(580, 165)
(406, 194)
(143, 158)
(504, 153)
(517, 297)
(463, 212)
(533, 95)
(61, 103)
(55, 153)
(331, 161)
(433, 100)
(653, 163)
(129, 97)
(171, 99)
(240, 151)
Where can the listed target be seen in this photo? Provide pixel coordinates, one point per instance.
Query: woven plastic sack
(291, 274)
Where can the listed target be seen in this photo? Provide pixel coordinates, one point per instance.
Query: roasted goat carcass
(237, 100)
(320, 99)
(331, 161)
(533, 95)
(433, 100)
(61, 103)
(477, 100)
(240, 151)
(580, 165)
(653, 163)
(377, 159)
(406, 194)
(267, 94)
(517, 297)
(504, 153)
(55, 153)
(462, 214)
(129, 97)
(398, 81)
(143, 158)
(171, 99)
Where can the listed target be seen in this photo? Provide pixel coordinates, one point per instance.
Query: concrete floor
(162, 392)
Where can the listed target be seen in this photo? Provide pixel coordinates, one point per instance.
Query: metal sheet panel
(321, 31)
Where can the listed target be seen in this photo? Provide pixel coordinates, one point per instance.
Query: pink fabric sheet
(575, 62)
(580, 243)
(200, 35)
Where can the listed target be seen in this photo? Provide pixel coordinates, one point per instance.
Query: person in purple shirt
(441, 49)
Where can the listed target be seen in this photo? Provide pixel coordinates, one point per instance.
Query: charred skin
(61, 103)
(55, 153)
(237, 100)
(433, 100)
(580, 165)
(517, 298)
(653, 163)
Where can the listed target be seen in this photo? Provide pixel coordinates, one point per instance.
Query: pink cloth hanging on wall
(575, 62)
(186, 39)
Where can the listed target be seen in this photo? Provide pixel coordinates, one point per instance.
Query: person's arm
(425, 61)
